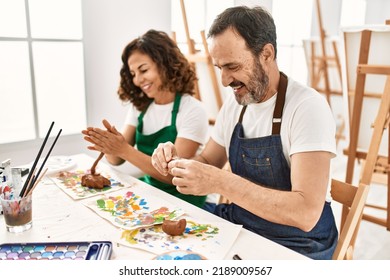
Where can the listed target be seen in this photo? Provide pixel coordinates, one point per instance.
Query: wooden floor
(373, 242)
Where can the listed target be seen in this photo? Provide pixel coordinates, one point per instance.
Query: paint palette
(100, 250)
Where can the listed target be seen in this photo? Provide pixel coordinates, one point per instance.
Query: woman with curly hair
(159, 82)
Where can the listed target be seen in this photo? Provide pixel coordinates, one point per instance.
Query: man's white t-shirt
(307, 121)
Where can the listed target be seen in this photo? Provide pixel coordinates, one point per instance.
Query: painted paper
(212, 240)
(70, 183)
(130, 210)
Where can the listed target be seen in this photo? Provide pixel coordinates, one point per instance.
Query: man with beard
(279, 138)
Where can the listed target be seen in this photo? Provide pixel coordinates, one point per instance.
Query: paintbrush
(36, 160)
(48, 154)
(33, 181)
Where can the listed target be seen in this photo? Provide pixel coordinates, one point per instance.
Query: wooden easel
(371, 158)
(319, 66)
(194, 56)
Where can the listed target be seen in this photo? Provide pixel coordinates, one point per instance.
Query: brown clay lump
(174, 227)
(94, 181)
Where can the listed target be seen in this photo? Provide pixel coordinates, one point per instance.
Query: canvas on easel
(366, 91)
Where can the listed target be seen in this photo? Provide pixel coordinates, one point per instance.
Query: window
(41, 68)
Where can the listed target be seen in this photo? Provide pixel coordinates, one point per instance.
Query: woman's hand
(162, 155)
(110, 141)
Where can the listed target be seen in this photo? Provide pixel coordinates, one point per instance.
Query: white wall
(265, 3)
(378, 11)
(108, 27)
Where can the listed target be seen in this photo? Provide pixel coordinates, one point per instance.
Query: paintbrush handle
(33, 180)
(36, 183)
(49, 152)
(36, 160)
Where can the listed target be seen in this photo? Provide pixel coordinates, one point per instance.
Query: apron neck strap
(280, 98)
(278, 111)
(175, 109)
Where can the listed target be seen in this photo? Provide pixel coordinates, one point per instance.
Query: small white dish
(55, 164)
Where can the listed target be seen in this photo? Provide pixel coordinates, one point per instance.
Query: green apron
(147, 144)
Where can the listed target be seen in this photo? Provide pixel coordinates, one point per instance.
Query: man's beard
(257, 86)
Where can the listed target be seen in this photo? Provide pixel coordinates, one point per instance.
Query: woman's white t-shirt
(191, 120)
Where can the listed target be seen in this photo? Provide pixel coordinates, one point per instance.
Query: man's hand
(194, 177)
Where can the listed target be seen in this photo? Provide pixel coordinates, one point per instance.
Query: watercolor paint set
(96, 250)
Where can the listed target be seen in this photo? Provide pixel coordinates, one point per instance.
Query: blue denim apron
(261, 160)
